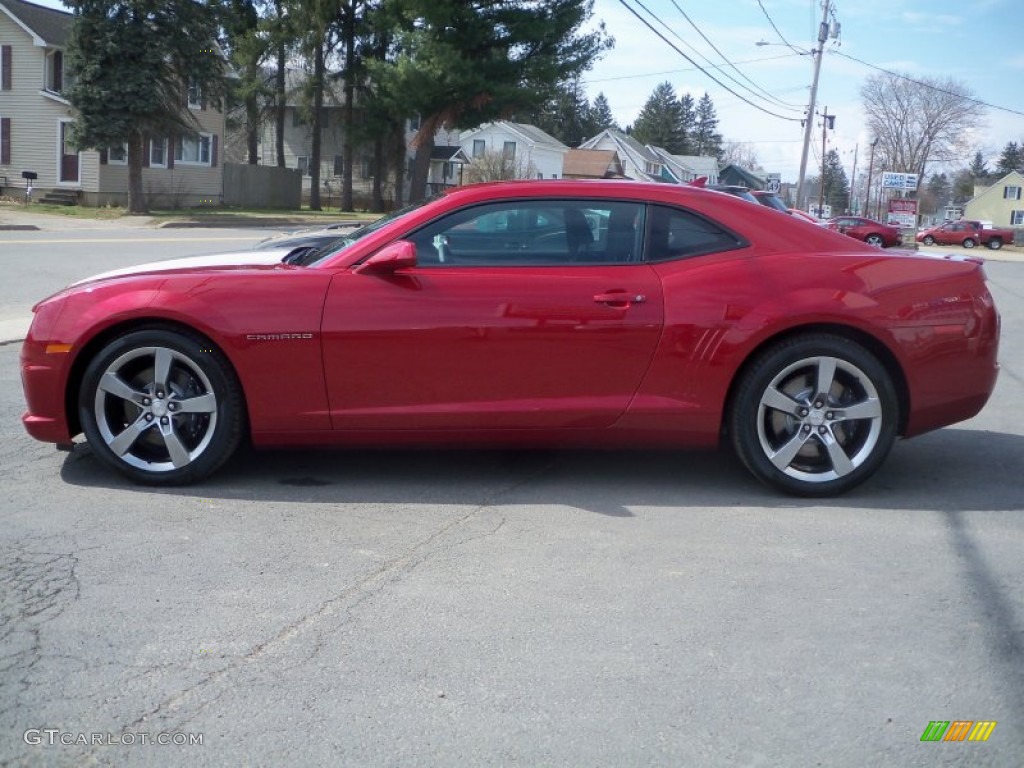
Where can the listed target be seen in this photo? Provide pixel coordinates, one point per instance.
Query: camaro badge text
(277, 336)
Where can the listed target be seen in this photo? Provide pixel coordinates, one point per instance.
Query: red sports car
(608, 313)
(870, 231)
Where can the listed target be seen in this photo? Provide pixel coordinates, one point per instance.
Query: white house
(650, 163)
(536, 153)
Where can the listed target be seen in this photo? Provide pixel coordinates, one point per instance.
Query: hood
(262, 258)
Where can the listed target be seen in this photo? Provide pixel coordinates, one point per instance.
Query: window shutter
(103, 157)
(58, 71)
(5, 67)
(145, 152)
(213, 151)
(5, 140)
(170, 152)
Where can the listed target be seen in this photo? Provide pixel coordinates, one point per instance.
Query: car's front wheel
(875, 240)
(162, 407)
(928, 240)
(814, 416)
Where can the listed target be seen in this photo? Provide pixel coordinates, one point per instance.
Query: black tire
(969, 242)
(792, 438)
(875, 240)
(928, 240)
(995, 243)
(162, 407)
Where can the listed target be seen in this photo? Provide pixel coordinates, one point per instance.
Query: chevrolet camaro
(539, 313)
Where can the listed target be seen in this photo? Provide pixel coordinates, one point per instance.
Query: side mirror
(400, 254)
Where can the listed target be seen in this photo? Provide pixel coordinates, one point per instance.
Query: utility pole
(823, 34)
(827, 121)
(871, 167)
(850, 204)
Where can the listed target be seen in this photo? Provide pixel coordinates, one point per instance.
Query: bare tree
(498, 166)
(919, 120)
(740, 153)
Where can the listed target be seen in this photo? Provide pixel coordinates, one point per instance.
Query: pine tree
(688, 123)
(1012, 159)
(660, 121)
(130, 63)
(834, 185)
(979, 168)
(601, 115)
(566, 116)
(707, 141)
(936, 194)
(461, 64)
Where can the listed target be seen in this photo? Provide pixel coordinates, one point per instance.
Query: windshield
(309, 256)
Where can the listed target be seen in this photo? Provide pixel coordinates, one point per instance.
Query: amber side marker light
(58, 349)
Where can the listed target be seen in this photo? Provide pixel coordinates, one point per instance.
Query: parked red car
(870, 231)
(598, 314)
(966, 233)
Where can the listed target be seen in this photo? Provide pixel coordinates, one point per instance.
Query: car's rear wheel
(814, 416)
(969, 243)
(875, 240)
(162, 407)
(995, 243)
(928, 240)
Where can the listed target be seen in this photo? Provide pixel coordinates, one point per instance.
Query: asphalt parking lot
(514, 608)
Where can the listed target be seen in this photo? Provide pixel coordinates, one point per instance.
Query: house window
(339, 165)
(1016, 218)
(55, 72)
(302, 163)
(118, 155)
(1011, 193)
(479, 147)
(193, 150)
(509, 150)
(447, 171)
(297, 118)
(158, 153)
(367, 167)
(195, 94)
(5, 141)
(5, 67)
(414, 123)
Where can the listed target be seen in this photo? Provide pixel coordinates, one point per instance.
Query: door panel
(489, 347)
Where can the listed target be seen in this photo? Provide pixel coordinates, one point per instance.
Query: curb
(228, 223)
(18, 227)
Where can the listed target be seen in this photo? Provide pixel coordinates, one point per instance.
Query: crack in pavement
(197, 696)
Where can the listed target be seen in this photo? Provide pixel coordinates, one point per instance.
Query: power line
(685, 69)
(677, 36)
(777, 32)
(727, 61)
(698, 66)
(928, 85)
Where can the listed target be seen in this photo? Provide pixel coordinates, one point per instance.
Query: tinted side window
(534, 233)
(675, 234)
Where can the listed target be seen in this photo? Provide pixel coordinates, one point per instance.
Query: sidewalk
(16, 218)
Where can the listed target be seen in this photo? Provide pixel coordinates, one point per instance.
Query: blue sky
(971, 41)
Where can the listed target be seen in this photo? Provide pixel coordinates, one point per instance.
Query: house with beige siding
(1001, 204)
(36, 121)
